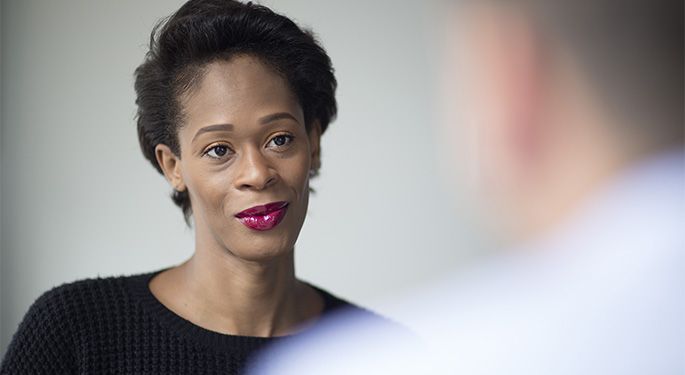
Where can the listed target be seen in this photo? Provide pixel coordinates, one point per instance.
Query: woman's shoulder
(90, 293)
(336, 305)
(64, 319)
(76, 303)
(341, 314)
(344, 330)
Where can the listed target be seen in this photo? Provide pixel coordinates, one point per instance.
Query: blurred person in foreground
(568, 116)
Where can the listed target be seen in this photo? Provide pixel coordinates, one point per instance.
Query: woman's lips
(263, 217)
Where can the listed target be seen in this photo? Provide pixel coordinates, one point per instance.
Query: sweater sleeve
(44, 343)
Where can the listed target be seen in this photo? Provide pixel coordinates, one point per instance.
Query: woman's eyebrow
(213, 128)
(229, 127)
(276, 116)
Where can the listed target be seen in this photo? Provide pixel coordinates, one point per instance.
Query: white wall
(79, 200)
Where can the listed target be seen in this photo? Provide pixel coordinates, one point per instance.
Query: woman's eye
(280, 140)
(217, 151)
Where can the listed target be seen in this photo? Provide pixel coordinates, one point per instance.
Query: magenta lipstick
(264, 217)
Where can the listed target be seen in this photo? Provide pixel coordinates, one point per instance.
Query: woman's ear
(315, 144)
(171, 166)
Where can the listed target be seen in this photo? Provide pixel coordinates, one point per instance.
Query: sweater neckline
(139, 286)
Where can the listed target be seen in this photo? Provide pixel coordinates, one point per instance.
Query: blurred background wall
(78, 200)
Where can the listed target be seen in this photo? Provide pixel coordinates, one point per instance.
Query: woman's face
(245, 160)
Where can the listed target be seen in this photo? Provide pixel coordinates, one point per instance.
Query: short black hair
(632, 51)
(205, 31)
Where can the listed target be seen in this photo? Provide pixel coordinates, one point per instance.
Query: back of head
(632, 50)
(561, 97)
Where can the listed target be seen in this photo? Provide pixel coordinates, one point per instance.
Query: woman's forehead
(242, 90)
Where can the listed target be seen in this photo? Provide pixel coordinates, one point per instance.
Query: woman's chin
(263, 255)
(260, 247)
(263, 246)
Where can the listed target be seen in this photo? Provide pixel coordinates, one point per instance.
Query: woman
(232, 101)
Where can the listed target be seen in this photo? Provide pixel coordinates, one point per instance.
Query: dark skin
(243, 143)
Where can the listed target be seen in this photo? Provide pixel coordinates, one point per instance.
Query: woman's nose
(254, 171)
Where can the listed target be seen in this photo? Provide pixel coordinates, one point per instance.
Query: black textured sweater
(117, 326)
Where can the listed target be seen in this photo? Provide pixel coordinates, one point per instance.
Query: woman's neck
(222, 293)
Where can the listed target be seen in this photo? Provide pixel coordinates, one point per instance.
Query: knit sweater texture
(116, 326)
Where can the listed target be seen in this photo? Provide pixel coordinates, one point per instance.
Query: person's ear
(315, 144)
(171, 166)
